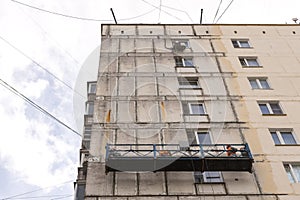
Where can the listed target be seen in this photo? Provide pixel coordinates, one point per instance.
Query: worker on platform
(231, 151)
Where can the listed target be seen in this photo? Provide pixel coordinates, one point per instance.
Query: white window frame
(238, 41)
(88, 105)
(258, 82)
(270, 109)
(90, 84)
(87, 133)
(186, 80)
(203, 131)
(183, 59)
(280, 138)
(205, 178)
(246, 60)
(291, 167)
(191, 110)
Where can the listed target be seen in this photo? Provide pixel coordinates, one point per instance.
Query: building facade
(193, 112)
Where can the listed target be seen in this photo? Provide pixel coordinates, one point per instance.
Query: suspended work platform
(175, 157)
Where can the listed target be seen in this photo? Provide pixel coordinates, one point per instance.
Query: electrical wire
(61, 14)
(55, 196)
(159, 10)
(79, 18)
(39, 108)
(217, 11)
(40, 66)
(62, 197)
(162, 10)
(32, 191)
(225, 10)
(179, 10)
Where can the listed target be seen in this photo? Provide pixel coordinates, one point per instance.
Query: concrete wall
(139, 101)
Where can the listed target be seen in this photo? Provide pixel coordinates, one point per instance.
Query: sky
(44, 56)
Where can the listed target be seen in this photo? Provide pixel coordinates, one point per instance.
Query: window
(281, 137)
(270, 108)
(87, 132)
(208, 177)
(188, 82)
(183, 62)
(249, 62)
(89, 108)
(293, 172)
(243, 43)
(86, 144)
(203, 137)
(196, 108)
(92, 87)
(259, 83)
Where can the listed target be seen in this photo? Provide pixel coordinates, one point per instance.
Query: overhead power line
(179, 10)
(39, 108)
(217, 11)
(156, 7)
(79, 18)
(40, 66)
(32, 191)
(225, 11)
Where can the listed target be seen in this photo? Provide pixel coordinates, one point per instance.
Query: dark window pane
(253, 84)
(264, 84)
(204, 138)
(275, 108)
(244, 44)
(197, 109)
(252, 62)
(243, 62)
(188, 62)
(235, 44)
(288, 138)
(178, 61)
(264, 109)
(289, 173)
(275, 138)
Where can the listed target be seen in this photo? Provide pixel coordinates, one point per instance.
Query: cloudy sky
(41, 56)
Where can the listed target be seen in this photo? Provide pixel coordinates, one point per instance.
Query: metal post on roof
(201, 16)
(113, 14)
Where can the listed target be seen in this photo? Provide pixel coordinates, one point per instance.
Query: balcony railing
(175, 157)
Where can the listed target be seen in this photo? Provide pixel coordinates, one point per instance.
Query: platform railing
(177, 151)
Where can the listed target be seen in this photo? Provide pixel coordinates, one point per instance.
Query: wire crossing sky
(75, 27)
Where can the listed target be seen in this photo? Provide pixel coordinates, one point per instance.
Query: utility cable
(225, 10)
(217, 11)
(159, 10)
(39, 108)
(79, 18)
(39, 65)
(32, 191)
(179, 10)
(55, 196)
(162, 10)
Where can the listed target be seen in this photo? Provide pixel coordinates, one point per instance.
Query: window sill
(244, 47)
(274, 114)
(259, 66)
(262, 89)
(185, 66)
(195, 114)
(287, 145)
(210, 183)
(190, 88)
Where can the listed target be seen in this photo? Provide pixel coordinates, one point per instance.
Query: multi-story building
(168, 101)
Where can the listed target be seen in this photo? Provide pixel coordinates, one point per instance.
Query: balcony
(175, 157)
